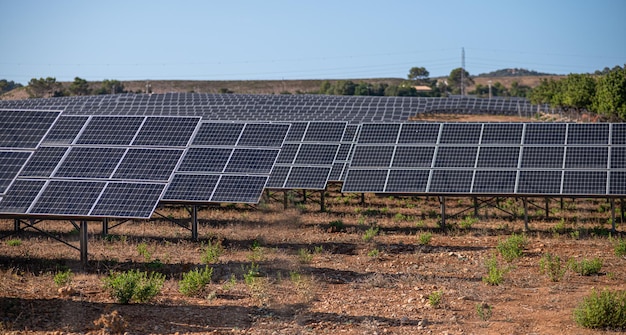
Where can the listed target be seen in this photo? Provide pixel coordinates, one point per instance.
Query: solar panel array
(490, 159)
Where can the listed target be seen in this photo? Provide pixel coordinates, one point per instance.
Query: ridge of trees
(514, 72)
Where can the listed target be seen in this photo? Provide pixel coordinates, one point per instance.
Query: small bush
(512, 248)
(212, 253)
(435, 298)
(484, 311)
(336, 226)
(370, 233)
(250, 273)
(194, 281)
(495, 274)
(14, 242)
(258, 253)
(551, 265)
(468, 222)
(63, 278)
(304, 256)
(587, 267)
(425, 238)
(134, 285)
(142, 249)
(606, 309)
(620, 248)
(374, 253)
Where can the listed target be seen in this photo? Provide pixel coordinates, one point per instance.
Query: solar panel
(494, 182)
(24, 129)
(502, 133)
(543, 157)
(585, 182)
(68, 197)
(148, 164)
(258, 161)
(314, 178)
(545, 133)
(498, 157)
(586, 157)
(110, 130)
(263, 135)
(278, 177)
(325, 132)
(317, 154)
(617, 182)
(451, 181)
(407, 181)
(349, 134)
(166, 131)
(214, 133)
(413, 156)
(132, 200)
(65, 130)
(592, 134)
(43, 162)
(460, 133)
(89, 163)
(240, 189)
(618, 157)
(539, 182)
(618, 133)
(205, 159)
(456, 157)
(191, 188)
(365, 181)
(372, 156)
(11, 162)
(343, 154)
(21, 195)
(296, 132)
(379, 133)
(419, 133)
(337, 171)
(288, 153)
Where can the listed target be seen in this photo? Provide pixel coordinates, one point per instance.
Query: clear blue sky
(322, 39)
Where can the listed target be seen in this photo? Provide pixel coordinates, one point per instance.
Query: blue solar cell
(11, 162)
(259, 161)
(460, 133)
(166, 131)
(312, 178)
(456, 157)
(65, 130)
(20, 196)
(83, 162)
(451, 181)
(43, 162)
(498, 157)
(545, 133)
(539, 182)
(110, 130)
(24, 129)
(413, 156)
(131, 200)
(407, 181)
(372, 156)
(239, 189)
(71, 198)
(365, 181)
(494, 182)
(419, 133)
(379, 133)
(214, 133)
(205, 160)
(585, 182)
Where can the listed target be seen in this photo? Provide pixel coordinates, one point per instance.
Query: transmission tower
(462, 71)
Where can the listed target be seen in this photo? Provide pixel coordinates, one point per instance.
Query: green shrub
(512, 248)
(212, 252)
(373, 253)
(370, 233)
(468, 222)
(484, 311)
(142, 249)
(587, 267)
(250, 273)
(133, 285)
(194, 281)
(425, 238)
(304, 256)
(63, 278)
(552, 266)
(495, 274)
(435, 298)
(606, 309)
(336, 226)
(620, 248)
(14, 242)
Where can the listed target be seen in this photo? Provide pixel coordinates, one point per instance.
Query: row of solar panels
(274, 107)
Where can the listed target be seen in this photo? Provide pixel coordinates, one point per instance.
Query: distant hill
(514, 73)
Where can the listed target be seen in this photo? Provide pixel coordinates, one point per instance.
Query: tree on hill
(111, 87)
(418, 74)
(44, 87)
(454, 80)
(6, 85)
(610, 98)
(80, 87)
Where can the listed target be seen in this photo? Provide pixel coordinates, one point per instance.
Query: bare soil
(315, 277)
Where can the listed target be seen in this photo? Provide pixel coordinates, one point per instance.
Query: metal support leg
(442, 201)
(304, 196)
(194, 222)
(547, 208)
(622, 209)
(362, 198)
(105, 227)
(16, 225)
(285, 200)
(612, 216)
(83, 244)
(475, 207)
(562, 206)
(323, 201)
(525, 201)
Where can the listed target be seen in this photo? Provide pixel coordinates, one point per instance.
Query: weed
(620, 248)
(586, 267)
(425, 238)
(419, 223)
(512, 248)
(295, 277)
(483, 310)
(551, 265)
(336, 226)
(14, 242)
(251, 272)
(495, 274)
(304, 256)
(212, 252)
(230, 284)
(435, 298)
(399, 217)
(374, 253)
(468, 222)
(370, 233)
(606, 309)
(318, 249)
(258, 253)
(142, 249)
(134, 285)
(63, 278)
(361, 220)
(194, 281)
(559, 228)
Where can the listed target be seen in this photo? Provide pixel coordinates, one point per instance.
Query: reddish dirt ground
(313, 279)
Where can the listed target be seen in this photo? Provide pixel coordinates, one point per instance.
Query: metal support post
(16, 225)
(612, 215)
(562, 206)
(323, 200)
(304, 196)
(442, 201)
(475, 207)
(362, 198)
(285, 200)
(525, 201)
(194, 222)
(105, 227)
(547, 208)
(83, 244)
